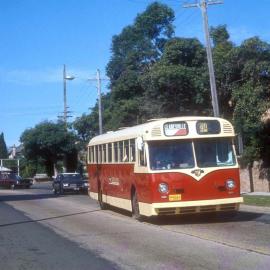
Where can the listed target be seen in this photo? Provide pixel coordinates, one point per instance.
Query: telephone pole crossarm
(214, 2)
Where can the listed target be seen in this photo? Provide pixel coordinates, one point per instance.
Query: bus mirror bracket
(139, 143)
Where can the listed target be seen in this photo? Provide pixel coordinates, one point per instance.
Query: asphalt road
(41, 231)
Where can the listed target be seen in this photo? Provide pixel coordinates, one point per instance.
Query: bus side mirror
(139, 143)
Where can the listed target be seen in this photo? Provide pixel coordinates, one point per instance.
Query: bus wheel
(103, 205)
(135, 207)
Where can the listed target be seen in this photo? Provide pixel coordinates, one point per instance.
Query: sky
(37, 37)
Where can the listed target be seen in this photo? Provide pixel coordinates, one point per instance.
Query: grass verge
(257, 200)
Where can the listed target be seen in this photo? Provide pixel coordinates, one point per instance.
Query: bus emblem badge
(197, 172)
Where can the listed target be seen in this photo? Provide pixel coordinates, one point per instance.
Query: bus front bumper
(190, 207)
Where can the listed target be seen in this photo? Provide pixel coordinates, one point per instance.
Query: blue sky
(37, 37)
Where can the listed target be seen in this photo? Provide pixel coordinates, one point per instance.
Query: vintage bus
(167, 166)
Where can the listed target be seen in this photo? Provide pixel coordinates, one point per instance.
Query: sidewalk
(256, 194)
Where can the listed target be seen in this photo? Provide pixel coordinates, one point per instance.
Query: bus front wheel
(135, 207)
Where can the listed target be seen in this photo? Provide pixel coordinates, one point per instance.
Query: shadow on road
(205, 218)
(25, 197)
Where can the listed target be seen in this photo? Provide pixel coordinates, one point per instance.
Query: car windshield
(214, 152)
(168, 155)
(71, 177)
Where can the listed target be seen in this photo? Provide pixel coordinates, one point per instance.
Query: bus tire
(135, 207)
(102, 205)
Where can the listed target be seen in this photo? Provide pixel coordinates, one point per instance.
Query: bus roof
(154, 130)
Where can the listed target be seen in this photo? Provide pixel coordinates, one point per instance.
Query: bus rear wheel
(102, 205)
(135, 207)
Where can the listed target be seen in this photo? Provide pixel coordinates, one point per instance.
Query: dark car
(11, 180)
(65, 182)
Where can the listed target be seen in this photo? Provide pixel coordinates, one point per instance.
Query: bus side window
(109, 152)
(104, 153)
(132, 150)
(142, 157)
(115, 148)
(100, 153)
(121, 151)
(89, 155)
(96, 153)
(126, 151)
(92, 154)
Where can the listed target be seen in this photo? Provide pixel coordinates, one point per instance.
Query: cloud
(49, 75)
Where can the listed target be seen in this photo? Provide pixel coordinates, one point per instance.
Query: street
(39, 230)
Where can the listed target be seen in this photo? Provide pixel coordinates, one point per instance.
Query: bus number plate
(175, 197)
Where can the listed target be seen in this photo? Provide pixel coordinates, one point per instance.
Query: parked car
(69, 182)
(12, 181)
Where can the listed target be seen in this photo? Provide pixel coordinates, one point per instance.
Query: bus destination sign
(176, 129)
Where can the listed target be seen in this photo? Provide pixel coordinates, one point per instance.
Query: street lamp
(65, 78)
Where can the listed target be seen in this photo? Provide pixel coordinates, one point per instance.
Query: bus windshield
(214, 152)
(168, 155)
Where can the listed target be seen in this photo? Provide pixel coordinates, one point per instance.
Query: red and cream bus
(166, 166)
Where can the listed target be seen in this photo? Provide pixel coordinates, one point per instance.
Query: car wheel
(135, 207)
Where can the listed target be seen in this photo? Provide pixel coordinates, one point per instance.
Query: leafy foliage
(251, 96)
(134, 51)
(176, 85)
(3, 147)
(49, 142)
(154, 74)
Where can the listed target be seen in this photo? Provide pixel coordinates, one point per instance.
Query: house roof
(4, 169)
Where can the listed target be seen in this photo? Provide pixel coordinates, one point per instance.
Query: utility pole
(65, 78)
(99, 101)
(203, 6)
(65, 95)
(98, 79)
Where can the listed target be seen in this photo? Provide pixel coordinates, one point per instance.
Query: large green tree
(251, 95)
(134, 51)
(3, 147)
(177, 84)
(224, 68)
(49, 143)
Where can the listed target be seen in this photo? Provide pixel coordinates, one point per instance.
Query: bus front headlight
(230, 184)
(163, 188)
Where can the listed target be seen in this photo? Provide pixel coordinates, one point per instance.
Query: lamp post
(65, 78)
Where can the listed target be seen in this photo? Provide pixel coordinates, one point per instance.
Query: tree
(225, 69)
(3, 147)
(48, 143)
(87, 126)
(134, 51)
(251, 96)
(177, 84)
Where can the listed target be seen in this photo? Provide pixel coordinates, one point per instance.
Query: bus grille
(196, 209)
